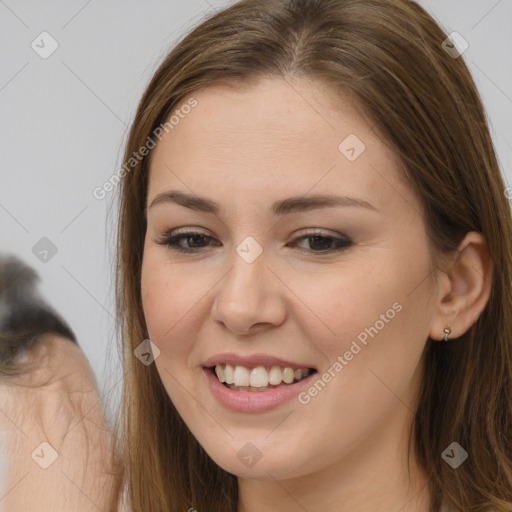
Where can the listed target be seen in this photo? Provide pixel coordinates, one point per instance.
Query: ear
(464, 288)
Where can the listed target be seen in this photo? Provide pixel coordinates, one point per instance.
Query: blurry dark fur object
(24, 315)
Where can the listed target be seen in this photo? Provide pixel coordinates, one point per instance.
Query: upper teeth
(258, 377)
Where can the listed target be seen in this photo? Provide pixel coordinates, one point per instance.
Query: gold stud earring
(447, 331)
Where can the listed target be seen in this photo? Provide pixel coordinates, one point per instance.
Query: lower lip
(253, 401)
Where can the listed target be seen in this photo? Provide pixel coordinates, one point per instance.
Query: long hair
(388, 56)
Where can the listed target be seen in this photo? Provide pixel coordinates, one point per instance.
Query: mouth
(259, 378)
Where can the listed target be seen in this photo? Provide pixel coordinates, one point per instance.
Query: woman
(314, 270)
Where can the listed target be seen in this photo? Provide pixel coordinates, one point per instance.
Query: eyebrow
(279, 208)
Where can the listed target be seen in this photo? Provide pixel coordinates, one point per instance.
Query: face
(341, 290)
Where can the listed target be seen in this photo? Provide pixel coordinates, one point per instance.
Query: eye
(173, 241)
(324, 242)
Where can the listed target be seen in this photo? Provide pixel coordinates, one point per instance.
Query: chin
(244, 459)
(263, 471)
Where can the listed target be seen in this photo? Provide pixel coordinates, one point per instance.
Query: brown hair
(388, 56)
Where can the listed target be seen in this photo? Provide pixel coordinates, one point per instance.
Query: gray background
(64, 121)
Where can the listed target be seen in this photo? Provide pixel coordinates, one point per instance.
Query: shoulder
(54, 373)
(57, 448)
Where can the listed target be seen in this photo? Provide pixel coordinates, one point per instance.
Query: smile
(260, 378)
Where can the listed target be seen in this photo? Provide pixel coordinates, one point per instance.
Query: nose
(249, 298)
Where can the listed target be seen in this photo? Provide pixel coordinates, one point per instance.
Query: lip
(254, 401)
(253, 361)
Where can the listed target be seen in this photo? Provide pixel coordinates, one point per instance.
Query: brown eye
(319, 243)
(193, 239)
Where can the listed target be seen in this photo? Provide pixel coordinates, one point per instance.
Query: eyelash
(172, 241)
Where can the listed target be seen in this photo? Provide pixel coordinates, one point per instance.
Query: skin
(58, 403)
(346, 450)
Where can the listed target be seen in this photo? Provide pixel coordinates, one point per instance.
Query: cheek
(171, 302)
(159, 298)
(338, 306)
(367, 316)
(380, 331)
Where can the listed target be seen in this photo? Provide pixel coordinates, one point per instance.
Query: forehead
(274, 137)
